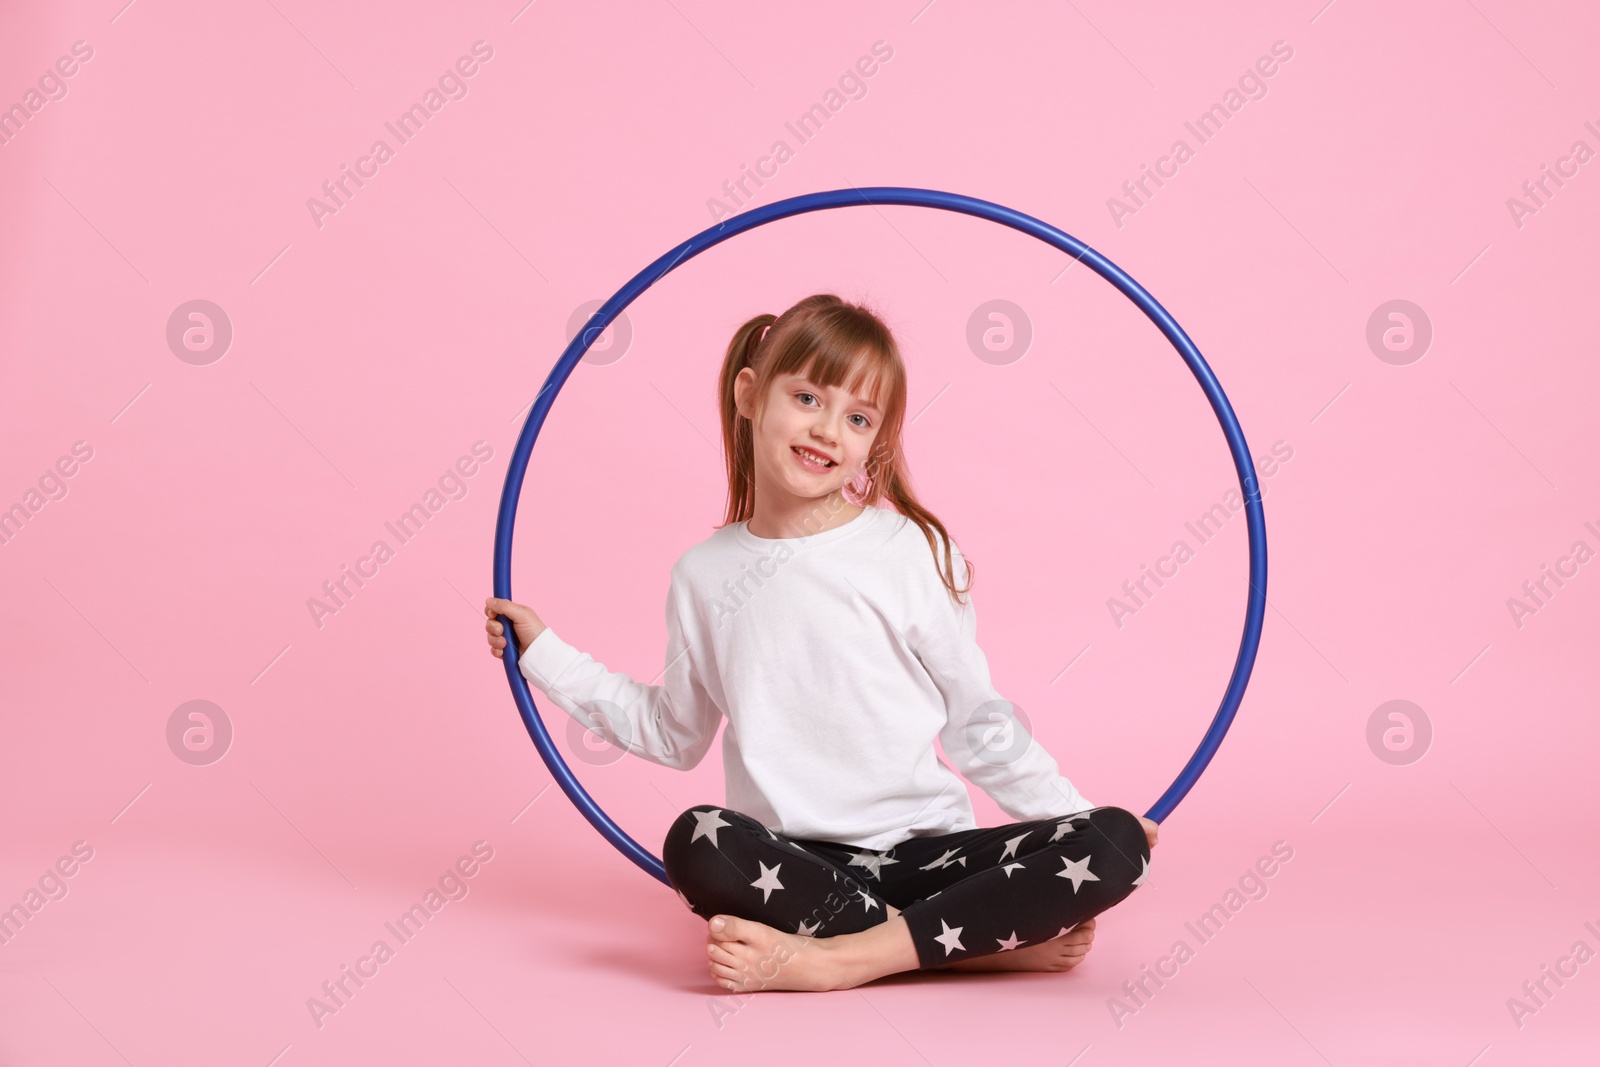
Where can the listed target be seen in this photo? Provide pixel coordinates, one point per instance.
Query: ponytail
(738, 441)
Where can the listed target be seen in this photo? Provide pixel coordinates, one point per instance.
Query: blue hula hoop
(1255, 606)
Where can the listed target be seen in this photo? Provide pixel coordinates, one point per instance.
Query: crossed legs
(798, 914)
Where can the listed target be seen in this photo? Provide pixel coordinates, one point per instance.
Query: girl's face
(802, 422)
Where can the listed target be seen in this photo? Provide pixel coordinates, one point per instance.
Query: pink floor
(177, 496)
(1378, 942)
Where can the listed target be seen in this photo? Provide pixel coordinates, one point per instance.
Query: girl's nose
(826, 439)
(828, 429)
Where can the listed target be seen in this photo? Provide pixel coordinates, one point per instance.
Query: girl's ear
(743, 384)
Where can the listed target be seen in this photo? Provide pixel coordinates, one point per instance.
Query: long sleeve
(672, 724)
(983, 738)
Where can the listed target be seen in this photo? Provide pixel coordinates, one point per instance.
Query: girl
(831, 634)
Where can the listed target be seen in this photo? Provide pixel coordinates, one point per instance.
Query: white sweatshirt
(837, 659)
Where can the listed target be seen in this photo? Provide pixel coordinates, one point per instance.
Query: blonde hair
(833, 343)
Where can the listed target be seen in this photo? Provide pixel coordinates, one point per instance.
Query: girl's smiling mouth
(815, 462)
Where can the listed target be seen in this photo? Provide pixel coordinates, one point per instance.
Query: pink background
(371, 352)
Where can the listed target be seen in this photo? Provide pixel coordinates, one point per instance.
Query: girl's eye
(863, 424)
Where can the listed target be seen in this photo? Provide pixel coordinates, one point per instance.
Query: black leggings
(963, 894)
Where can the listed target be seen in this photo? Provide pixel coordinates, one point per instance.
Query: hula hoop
(1255, 520)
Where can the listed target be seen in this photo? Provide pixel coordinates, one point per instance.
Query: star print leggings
(963, 894)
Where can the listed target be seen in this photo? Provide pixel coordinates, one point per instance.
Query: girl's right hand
(523, 620)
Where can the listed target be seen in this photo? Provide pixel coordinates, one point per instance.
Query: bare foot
(749, 957)
(1060, 953)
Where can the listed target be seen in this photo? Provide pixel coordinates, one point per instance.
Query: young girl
(831, 634)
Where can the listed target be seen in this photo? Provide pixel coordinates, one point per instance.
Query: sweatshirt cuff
(546, 659)
(1076, 801)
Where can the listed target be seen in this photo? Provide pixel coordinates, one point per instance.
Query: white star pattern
(872, 861)
(950, 939)
(869, 900)
(804, 931)
(1145, 864)
(768, 881)
(1078, 871)
(707, 825)
(1008, 868)
(1065, 825)
(1011, 846)
(944, 861)
(1009, 943)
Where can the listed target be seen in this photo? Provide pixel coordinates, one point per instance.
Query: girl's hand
(523, 620)
(1152, 830)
